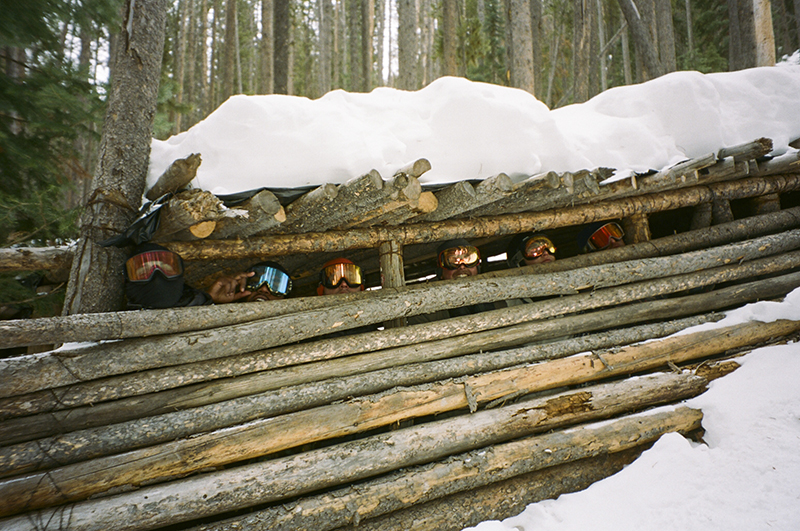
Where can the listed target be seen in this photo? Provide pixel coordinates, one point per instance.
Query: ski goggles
(537, 246)
(603, 237)
(334, 274)
(142, 267)
(454, 257)
(278, 283)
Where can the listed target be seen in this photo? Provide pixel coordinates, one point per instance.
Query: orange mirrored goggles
(455, 257)
(333, 275)
(538, 246)
(142, 267)
(602, 237)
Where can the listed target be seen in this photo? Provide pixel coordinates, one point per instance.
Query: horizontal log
(120, 325)
(162, 380)
(36, 372)
(339, 464)
(184, 210)
(402, 489)
(495, 501)
(750, 150)
(179, 174)
(53, 259)
(271, 435)
(302, 209)
(334, 241)
(256, 215)
(163, 425)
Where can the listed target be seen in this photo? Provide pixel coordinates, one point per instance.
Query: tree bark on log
(259, 214)
(32, 373)
(184, 211)
(279, 245)
(424, 204)
(302, 209)
(495, 501)
(96, 278)
(158, 428)
(79, 481)
(161, 380)
(179, 174)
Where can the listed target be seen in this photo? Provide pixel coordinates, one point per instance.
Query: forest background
(55, 69)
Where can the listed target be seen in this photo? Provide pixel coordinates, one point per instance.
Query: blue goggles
(277, 282)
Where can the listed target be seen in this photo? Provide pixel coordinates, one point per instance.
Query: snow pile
(470, 130)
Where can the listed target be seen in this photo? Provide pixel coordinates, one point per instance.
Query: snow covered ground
(747, 476)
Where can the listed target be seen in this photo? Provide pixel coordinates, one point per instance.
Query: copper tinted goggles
(537, 246)
(143, 266)
(455, 257)
(333, 275)
(602, 237)
(278, 283)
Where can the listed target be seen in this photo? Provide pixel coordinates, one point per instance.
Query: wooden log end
(203, 229)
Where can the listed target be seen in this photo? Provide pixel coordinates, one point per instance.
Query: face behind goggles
(537, 246)
(454, 257)
(142, 267)
(603, 237)
(334, 274)
(278, 283)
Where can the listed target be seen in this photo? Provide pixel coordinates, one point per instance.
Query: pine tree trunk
(522, 43)
(580, 52)
(96, 279)
(449, 39)
(367, 31)
(229, 51)
(281, 29)
(666, 37)
(407, 44)
(267, 49)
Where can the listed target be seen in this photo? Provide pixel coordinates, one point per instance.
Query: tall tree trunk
(601, 37)
(353, 17)
(380, 31)
(580, 50)
(764, 34)
(666, 36)
(642, 39)
(797, 21)
(367, 53)
(536, 40)
(449, 38)
(229, 51)
(337, 76)
(325, 16)
(281, 33)
(407, 44)
(180, 59)
(96, 279)
(213, 74)
(522, 44)
(267, 49)
(690, 37)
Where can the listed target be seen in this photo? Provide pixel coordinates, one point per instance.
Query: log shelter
(271, 416)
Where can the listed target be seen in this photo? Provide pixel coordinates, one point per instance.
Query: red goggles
(333, 275)
(604, 236)
(537, 246)
(455, 257)
(142, 267)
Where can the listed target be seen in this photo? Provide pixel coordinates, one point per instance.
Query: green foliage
(46, 103)
(19, 291)
(710, 25)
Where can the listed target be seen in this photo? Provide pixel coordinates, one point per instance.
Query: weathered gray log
(786, 163)
(688, 241)
(688, 168)
(416, 169)
(701, 217)
(424, 204)
(401, 489)
(31, 373)
(391, 259)
(179, 174)
(185, 210)
(259, 214)
(56, 260)
(158, 428)
(539, 188)
(160, 381)
(495, 501)
(750, 150)
(450, 200)
(402, 191)
(637, 229)
(474, 228)
(336, 465)
(301, 211)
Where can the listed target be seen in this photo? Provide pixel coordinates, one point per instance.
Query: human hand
(230, 289)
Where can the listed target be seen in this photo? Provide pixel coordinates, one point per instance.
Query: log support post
(721, 211)
(637, 228)
(701, 216)
(766, 204)
(392, 276)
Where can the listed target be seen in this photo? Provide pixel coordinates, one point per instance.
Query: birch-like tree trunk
(96, 278)
(522, 43)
